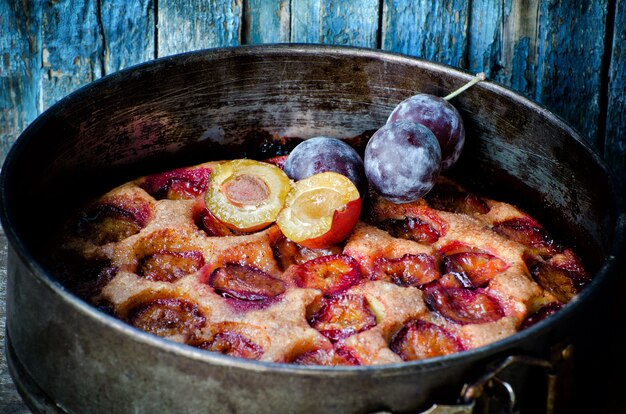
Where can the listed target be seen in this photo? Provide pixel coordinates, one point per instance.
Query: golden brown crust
(169, 232)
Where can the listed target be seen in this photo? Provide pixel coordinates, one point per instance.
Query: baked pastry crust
(142, 253)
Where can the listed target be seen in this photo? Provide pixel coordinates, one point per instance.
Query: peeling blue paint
(72, 49)
(127, 31)
(268, 22)
(20, 69)
(615, 143)
(522, 74)
(434, 31)
(570, 51)
(347, 22)
(485, 37)
(306, 24)
(197, 24)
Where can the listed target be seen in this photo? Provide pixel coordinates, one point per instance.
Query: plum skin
(320, 211)
(438, 115)
(402, 161)
(322, 154)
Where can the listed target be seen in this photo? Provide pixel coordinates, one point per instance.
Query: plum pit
(245, 190)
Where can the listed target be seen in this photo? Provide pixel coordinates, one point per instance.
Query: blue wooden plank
(127, 31)
(485, 37)
(615, 141)
(267, 21)
(570, 50)
(444, 41)
(519, 46)
(349, 22)
(184, 25)
(521, 75)
(20, 65)
(551, 51)
(71, 49)
(306, 26)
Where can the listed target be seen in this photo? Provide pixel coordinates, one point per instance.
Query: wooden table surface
(10, 401)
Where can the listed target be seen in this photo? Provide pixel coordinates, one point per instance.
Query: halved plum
(528, 232)
(409, 270)
(541, 314)
(342, 316)
(563, 275)
(246, 195)
(113, 219)
(413, 221)
(166, 316)
(475, 266)
(85, 278)
(229, 338)
(244, 282)
(182, 183)
(330, 274)
(288, 253)
(419, 339)
(320, 210)
(411, 228)
(207, 222)
(169, 266)
(462, 305)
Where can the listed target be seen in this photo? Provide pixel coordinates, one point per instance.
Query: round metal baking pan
(224, 103)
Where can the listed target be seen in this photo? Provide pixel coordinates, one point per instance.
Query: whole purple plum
(438, 115)
(402, 161)
(321, 154)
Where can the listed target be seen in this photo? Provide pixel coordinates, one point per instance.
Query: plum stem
(479, 77)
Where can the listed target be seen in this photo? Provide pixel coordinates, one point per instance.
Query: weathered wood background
(566, 55)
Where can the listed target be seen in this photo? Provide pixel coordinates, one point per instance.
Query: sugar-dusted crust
(143, 253)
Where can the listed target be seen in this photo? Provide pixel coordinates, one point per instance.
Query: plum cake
(452, 271)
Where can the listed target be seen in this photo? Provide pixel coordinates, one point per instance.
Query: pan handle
(490, 394)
